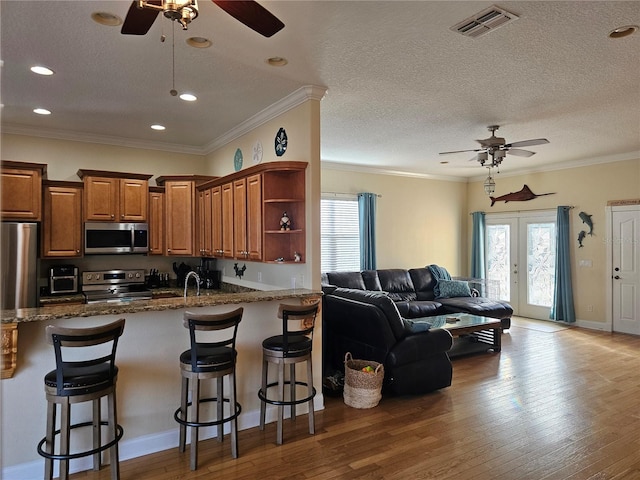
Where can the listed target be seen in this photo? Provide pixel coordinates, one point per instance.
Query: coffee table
(483, 332)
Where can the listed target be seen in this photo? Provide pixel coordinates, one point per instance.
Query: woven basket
(362, 389)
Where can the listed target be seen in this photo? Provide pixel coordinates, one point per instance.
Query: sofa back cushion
(423, 282)
(397, 283)
(380, 300)
(371, 280)
(346, 280)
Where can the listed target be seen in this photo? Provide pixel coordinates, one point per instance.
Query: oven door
(113, 238)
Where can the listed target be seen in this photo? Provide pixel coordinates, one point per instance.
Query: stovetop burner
(114, 286)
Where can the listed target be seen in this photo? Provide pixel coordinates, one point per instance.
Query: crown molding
(350, 167)
(298, 97)
(99, 139)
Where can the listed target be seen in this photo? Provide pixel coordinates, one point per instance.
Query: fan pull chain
(173, 90)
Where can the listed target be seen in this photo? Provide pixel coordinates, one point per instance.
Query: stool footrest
(71, 456)
(177, 413)
(263, 396)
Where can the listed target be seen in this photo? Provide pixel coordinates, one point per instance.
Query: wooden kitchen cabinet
(216, 221)
(62, 219)
(22, 190)
(227, 220)
(181, 232)
(156, 221)
(115, 196)
(205, 223)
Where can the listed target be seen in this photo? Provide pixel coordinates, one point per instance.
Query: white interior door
(626, 271)
(520, 254)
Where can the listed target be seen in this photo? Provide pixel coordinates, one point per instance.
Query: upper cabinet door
(180, 219)
(254, 217)
(133, 200)
(156, 223)
(62, 222)
(101, 198)
(21, 193)
(227, 220)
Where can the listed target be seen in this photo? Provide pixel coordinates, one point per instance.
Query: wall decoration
(586, 218)
(581, 236)
(519, 196)
(257, 152)
(281, 142)
(237, 160)
(239, 270)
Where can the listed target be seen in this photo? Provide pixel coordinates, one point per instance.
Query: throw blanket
(439, 273)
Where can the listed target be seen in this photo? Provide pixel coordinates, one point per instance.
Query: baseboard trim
(153, 443)
(602, 326)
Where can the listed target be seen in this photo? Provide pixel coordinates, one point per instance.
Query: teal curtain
(367, 216)
(477, 245)
(562, 308)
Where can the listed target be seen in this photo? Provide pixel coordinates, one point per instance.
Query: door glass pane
(541, 259)
(498, 255)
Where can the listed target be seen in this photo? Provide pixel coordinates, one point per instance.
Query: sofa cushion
(346, 280)
(420, 308)
(379, 299)
(452, 288)
(371, 280)
(423, 282)
(478, 306)
(397, 282)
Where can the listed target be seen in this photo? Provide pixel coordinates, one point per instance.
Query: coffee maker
(209, 276)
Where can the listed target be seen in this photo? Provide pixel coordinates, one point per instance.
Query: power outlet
(260, 277)
(589, 308)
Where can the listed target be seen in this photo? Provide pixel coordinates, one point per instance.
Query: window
(340, 234)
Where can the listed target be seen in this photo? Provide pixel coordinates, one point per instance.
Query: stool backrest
(227, 322)
(65, 337)
(297, 320)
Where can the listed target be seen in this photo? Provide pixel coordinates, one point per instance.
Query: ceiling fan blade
(528, 143)
(461, 151)
(139, 20)
(520, 153)
(253, 15)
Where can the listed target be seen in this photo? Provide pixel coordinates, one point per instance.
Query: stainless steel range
(114, 286)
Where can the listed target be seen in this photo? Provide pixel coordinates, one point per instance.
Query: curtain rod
(532, 210)
(337, 194)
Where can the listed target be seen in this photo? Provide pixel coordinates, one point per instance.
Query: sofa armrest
(420, 346)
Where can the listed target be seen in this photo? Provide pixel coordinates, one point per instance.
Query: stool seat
(75, 381)
(209, 359)
(296, 345)
(292, 347)
(213, 359)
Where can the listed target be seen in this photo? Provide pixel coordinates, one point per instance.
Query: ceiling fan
(496, 148)
(142, 14)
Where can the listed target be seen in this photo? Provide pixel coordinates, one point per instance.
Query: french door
(520, 261)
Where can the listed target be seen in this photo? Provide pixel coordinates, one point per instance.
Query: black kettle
(181, 272)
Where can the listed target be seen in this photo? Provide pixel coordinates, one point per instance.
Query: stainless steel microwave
(110, 238)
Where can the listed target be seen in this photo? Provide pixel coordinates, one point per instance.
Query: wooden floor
(556, 403)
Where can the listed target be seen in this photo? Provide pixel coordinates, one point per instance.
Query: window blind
(340, 234)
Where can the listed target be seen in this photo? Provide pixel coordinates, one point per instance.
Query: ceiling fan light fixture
(107, 19)
(622, 32)
(482, 157)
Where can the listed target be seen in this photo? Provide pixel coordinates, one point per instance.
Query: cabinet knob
(77, 251)
(168, 250)
(113, 216)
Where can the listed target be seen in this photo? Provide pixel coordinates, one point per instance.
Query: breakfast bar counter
(148, 360)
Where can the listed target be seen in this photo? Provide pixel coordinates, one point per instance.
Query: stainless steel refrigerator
(19, 244)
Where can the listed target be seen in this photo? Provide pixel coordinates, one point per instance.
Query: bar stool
(77, 381)
(292, 347)
(203, 361)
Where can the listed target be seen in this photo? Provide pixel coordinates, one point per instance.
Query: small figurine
(285, 222)
(239, 270)
(297, 257)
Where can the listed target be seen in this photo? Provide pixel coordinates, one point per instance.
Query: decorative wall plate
(281, 142)
(237, 160)
(257, 152)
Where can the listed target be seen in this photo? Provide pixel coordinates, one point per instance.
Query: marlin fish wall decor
(520, 196)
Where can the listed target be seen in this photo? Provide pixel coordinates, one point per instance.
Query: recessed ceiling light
(105, 18)
(277, 61)
(198, 42)
(158, 127)
(42, 70)
(188, 97)
(41, 111)
(625, 31)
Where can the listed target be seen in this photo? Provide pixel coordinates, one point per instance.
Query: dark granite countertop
(207, 298)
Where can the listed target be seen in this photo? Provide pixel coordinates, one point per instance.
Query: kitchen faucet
(186, 282)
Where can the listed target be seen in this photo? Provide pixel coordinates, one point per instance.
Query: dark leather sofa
(372, 315)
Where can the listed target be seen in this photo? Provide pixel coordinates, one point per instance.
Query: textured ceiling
(401, 86)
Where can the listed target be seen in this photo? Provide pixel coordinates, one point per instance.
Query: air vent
(484, 22)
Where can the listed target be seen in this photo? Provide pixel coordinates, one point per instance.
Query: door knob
(617, 269)
(617, 277)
